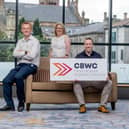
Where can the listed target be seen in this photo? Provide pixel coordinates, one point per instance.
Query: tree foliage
(37, 28)
(20, 23)
(3, 35)
(20, 35)
(6, 51)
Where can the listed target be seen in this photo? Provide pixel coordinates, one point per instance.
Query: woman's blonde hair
(63, 27)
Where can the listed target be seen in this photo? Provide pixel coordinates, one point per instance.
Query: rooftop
(97, 27)
(45, 13)
(78, 30)
(122, 23)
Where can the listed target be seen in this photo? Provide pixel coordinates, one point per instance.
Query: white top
(32, 46)
(58, 46)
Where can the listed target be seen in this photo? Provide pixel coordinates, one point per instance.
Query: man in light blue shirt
(27, 52)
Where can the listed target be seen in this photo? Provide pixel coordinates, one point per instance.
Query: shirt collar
(30, 37)
(89, 54)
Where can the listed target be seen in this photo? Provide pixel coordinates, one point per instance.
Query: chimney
(1, 3)
(125, 16)
(76, 4)
(87, 21)
(68, 3)
(114, 17)
(83, 14)
(105, 16)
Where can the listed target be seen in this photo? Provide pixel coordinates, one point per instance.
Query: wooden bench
(39, 89)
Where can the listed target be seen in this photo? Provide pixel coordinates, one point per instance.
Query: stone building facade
(49, 12)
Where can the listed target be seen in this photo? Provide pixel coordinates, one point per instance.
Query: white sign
(78, 69)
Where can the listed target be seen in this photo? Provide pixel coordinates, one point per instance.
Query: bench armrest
(113, 77)
(28, 87)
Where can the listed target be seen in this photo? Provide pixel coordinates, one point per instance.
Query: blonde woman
(60, 44)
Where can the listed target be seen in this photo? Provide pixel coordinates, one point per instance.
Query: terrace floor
(66, 116)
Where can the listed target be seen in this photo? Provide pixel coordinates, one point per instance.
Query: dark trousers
(17, 75)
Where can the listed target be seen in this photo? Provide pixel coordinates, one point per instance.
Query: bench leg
(113, 105)
(28, 106)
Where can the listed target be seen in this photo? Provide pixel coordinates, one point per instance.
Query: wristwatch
(25, 52)
(66, 55)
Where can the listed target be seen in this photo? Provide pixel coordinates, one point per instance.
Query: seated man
(105, 85)
(27, 52)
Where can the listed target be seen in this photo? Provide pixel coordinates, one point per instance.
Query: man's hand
(108, 77)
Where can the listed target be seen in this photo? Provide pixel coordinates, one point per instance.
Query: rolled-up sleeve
(31, 54)
(18, 52)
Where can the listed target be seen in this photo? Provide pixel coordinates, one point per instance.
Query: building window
(122, 55)
(51, 3)
(113, 37)
(113, 57)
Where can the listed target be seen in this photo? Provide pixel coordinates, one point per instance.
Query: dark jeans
(17, 75)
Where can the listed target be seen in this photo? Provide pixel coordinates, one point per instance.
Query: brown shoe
(82, 108)
(103, 109)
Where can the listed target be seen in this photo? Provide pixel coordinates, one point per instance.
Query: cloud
(94, 9)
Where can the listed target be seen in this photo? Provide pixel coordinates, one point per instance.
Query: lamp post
(110, 34)
(16, 26)
(16, 19)
(63, 12)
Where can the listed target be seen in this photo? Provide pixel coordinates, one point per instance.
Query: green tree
(44, 49)
(6, 51)
(3, 35)
(20, 23)
(19, 27)
(37, 29)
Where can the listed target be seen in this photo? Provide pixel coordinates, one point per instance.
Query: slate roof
(45, 13)
(78, 30)
(122, 23)
(91, 28)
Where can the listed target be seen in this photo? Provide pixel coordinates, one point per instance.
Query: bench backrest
(44, 63)
(43, 73)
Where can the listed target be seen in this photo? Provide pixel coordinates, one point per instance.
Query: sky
(94, 9)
